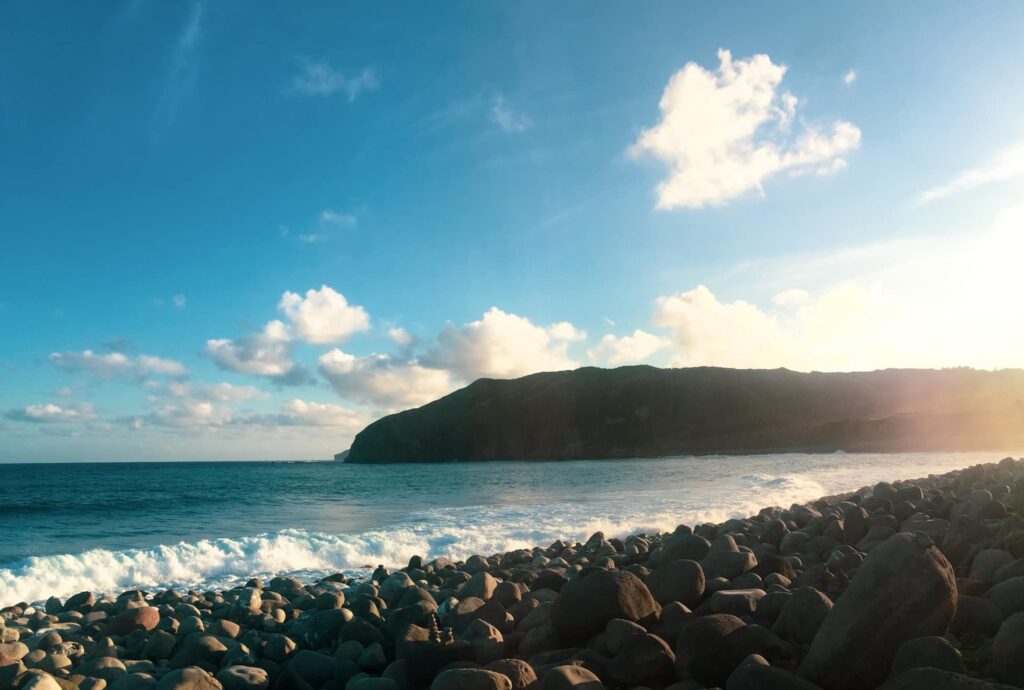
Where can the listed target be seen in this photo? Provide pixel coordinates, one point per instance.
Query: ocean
(108, 527)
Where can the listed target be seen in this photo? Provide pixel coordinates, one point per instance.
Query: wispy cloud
(507, 118)
(321, 79)
(1005, 165)
(850, 77)
(327, 221)
(183, 70)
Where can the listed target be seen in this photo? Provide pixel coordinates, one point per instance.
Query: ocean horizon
(114, 526)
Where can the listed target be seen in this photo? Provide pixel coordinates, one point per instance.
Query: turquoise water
(106, 527)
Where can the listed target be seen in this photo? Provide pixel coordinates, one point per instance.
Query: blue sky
(243, 230)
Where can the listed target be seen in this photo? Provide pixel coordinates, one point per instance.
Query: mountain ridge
(644, 411)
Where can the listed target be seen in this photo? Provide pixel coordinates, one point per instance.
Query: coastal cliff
(643, 411)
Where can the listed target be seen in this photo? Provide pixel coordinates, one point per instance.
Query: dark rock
(905, 589)
(935, 679)
(976, 616)
(755, 676)
(1008, 596)
(1008, 651)
(189, 678)
(518, 671)
(704, 650)
(570, 677)
(586, 604)
(680, 580)
(801, 615)
(470, 679)
(643, 660)
(243, 678)
(924, 652)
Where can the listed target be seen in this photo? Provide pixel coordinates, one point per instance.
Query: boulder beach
(902, 585)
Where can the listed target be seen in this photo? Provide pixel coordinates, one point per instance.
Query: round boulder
(1007, 650)
(586, 604)
(905, 589)
(927, 652)
(680, 580)
(470, 679)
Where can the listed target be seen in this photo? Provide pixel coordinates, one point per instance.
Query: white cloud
(323, 316)
(1005, 165)
(927, 302)
(499, 345)
(117, 364)
(508, 119)
(850, 77)
(723, 133)
(267, 353)
(50, 413)
(563, 330)
(302, 413)
(215, 392)
(382, 380)
(321, 79)
(628, 349)
(179, 301)
(344, 220)
(400, 337)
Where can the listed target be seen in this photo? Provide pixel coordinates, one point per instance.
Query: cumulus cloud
(382, 380)
(215, 392)
(321, 79)
(297, 412)
(267, 353)
(499, 345)
(323, 316)
(508, 119)
(628, 349)
(723, 133)
(563, 330)
(1005, 165)
(117, 365)
(50, 413)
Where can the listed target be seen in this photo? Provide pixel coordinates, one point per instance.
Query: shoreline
(761, 595)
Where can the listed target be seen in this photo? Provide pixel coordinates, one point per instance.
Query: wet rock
(904, 589)
(132, 619)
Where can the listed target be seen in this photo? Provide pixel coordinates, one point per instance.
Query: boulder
(312, 667)
(936, 679)
(976, 616)
(188, 678)
(470, 679)
(134, 681)
(1008, 595)
(198, 648)
(801, 616)
(905, 589)
(38, 680)
(243, 678)
(586, 604)
(704, 650)
(761, 676)
(519, 672)
(570, 677)
(679, 580)
(924, 652)
(644, 660)
(1008, 650)
(130, 620)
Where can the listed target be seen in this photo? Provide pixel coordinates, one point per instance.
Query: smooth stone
(905, 589)
(470, 679)
(1008, 595)
(758, 676)
(935, 679)
(134, 681)
(927, 652)
(243, 678)
(1008, 650)
(586, 604)
(704, 650)
(801, 616)
(570, 677)
(519, 672)
(643, 660)
(679, 580)
(188, 678)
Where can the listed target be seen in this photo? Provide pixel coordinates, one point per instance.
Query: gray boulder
(585, 605)
(905, 589)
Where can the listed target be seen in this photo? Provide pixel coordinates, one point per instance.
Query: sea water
(108, 527)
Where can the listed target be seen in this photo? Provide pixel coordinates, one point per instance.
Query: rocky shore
(904, 586)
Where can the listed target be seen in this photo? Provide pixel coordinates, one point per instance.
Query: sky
(245, 230)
